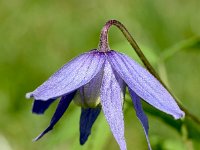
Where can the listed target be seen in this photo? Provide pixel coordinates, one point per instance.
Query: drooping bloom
(97, 80)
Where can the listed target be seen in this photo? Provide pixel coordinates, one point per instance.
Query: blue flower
(97, 80)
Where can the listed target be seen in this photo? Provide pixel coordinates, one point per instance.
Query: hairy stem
(104, 47)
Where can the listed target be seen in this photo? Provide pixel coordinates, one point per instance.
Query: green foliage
(37, 37)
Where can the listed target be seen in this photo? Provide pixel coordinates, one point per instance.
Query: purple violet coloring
(97, 80)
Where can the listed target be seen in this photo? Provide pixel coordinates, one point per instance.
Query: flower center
(88, 96)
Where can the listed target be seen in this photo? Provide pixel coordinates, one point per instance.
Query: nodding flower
(97, 80)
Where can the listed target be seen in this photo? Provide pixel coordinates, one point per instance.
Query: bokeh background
(38, 37)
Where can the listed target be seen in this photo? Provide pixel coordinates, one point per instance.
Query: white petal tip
(29, 95)
(180, 115)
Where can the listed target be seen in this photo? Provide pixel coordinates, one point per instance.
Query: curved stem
(103, 43)
(103, 47)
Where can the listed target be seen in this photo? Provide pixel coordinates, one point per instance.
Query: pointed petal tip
(37, 138)
(29, 95)
(179, 115)
(83, 140)
(84, 137)
(49, 128)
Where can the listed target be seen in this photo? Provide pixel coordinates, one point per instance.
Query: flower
(97, 80)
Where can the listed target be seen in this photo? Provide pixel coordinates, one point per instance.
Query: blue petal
(140, 114)
(39, 106)
(71, 76)
(88, 117)
(112, 96)
(62, 107)
(144, 84)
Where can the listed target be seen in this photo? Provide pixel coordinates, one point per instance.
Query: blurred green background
(38, 37)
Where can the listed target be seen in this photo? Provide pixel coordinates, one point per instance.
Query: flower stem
(104, 47)
(103, 43)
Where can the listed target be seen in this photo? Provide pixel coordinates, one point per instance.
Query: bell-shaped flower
(97, 80)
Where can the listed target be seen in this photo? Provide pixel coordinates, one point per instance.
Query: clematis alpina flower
(97, 80)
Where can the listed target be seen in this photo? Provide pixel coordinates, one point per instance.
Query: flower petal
(87, 119)
(112, 95)
(88, 96)
(144, 84)
(140, 114)
(71, 76)
(61, 108)
(39, 106)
